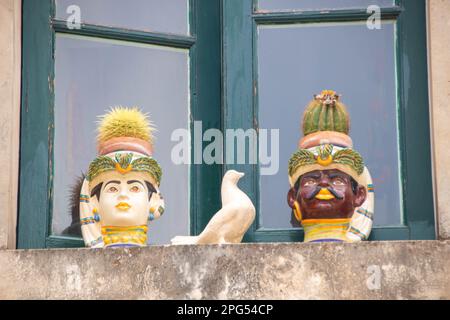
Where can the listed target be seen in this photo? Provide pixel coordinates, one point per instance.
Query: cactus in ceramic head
(326, 113)
(125, 122)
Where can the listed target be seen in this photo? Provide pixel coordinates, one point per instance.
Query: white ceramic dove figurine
(231, 222)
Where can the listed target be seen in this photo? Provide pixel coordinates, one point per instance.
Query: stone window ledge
(370, 270)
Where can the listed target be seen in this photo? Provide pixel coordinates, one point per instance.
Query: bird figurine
(230, 223)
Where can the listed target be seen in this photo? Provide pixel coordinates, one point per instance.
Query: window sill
(369, 270)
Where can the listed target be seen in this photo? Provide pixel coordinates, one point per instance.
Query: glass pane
(354, 61)
(148, 15)
(277, 5)
(92, 75)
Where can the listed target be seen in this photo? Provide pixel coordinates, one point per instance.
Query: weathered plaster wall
(439, 73)
(375, 270)
(10, 38)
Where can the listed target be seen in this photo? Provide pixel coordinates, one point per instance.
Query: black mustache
(332, 191)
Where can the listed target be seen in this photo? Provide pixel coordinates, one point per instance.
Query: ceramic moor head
(331, 191)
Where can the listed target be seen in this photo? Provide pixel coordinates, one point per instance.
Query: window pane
(277, 5)
(354, 61)
(92, 75)
(148, 15)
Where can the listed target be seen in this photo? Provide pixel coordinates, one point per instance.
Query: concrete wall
(10, 41)
(439, 74)
(371, 270)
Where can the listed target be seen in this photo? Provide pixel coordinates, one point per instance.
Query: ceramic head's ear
(95, 198)
(156, 202)
(360, 196)
(292, 197)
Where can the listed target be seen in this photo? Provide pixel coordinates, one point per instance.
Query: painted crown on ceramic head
(325, 121)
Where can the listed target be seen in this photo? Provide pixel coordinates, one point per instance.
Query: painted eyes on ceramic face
(135, 189)
(112, 189)
(335, 181)
(115, 189)
(310, 182)
(338, 181)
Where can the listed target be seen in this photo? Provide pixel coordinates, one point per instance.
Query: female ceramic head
(121, 190)
(125, 199)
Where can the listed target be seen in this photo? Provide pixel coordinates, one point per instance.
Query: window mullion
(288, 17)
(91, 30)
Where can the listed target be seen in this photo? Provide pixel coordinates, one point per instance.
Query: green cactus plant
(326, 113)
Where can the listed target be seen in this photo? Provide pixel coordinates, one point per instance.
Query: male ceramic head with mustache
(326, 194)
(121, 190)
(329, 182)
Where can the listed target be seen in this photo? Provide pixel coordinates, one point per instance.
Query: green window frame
(223, 95)
(37, 117)
(241, 106)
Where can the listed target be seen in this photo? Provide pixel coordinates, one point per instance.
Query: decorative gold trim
(122, 170)
(125, 235)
